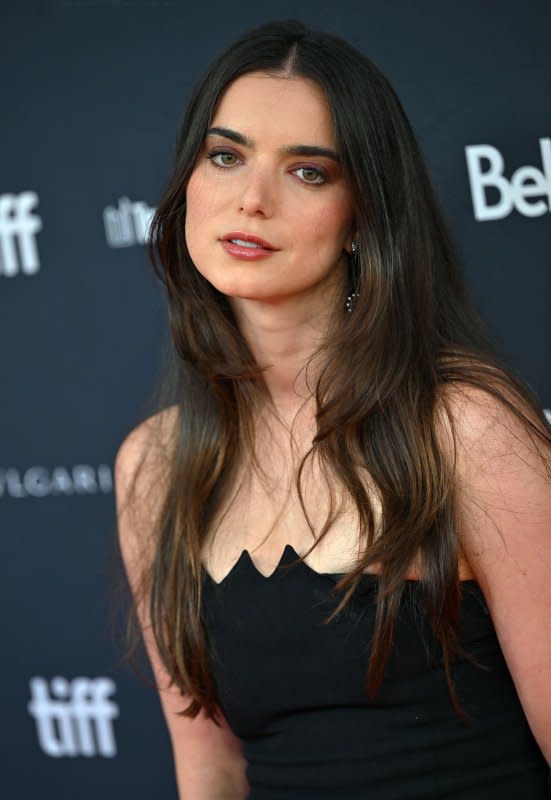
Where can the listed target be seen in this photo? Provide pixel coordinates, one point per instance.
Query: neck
(284, 338)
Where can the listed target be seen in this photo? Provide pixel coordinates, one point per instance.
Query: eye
(312, 175)
(222, 158)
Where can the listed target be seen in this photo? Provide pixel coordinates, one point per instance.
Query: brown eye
(312, 175)
(222, 159)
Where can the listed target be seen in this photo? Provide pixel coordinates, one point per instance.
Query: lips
(247, 240)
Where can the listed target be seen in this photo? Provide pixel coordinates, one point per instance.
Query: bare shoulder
(487, 429)
(148, 443)
(502, 491)
(151, 436)
(488, 432)
(141, 471)
(204, 754)
(503, 513)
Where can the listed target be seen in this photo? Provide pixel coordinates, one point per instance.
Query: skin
(301, 204)
(504, 498)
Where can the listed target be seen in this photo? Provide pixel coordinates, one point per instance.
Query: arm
(504, 527)
(208, 760)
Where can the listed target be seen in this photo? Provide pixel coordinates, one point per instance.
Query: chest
(263, 513)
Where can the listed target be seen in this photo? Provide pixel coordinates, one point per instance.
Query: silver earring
(350, 300)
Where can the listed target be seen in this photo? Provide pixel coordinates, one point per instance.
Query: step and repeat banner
(92, 94)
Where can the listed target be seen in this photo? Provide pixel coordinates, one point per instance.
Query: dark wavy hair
(414, 333)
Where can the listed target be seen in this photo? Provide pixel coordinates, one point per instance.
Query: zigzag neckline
(289, 554)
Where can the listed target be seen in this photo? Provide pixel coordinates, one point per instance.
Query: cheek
(196, 209)
(328, 225)
(194, 195)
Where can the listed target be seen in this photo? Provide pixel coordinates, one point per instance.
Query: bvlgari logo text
(41, 481)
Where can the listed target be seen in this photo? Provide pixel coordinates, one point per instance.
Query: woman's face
(269, 169)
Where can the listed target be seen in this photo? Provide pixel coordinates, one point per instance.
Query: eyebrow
(292, 150)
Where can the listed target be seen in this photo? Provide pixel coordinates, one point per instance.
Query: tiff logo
(128, 224)
(18, 229)
(70, 713)
(520, 192)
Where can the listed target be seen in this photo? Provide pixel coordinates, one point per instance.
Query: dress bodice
(293, 689)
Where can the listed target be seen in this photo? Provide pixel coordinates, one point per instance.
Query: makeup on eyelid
(269, 211)
(322, 174)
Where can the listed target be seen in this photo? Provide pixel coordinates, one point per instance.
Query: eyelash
(324, 178)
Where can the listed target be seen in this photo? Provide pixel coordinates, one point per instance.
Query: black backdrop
(92, 93)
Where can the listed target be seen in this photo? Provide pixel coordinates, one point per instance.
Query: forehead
(292, 110)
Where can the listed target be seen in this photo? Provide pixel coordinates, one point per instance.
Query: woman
(333, 396)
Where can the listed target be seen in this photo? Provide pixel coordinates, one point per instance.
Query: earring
(350, 300)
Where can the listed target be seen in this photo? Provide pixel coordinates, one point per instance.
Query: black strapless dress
(292, 689)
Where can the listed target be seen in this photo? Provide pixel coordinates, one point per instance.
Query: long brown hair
(413, 333)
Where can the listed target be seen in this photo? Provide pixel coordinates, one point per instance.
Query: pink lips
(247, 252)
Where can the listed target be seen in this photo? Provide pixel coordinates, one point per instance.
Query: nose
(257, 195)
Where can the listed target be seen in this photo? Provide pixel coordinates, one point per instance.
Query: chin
(232, 289)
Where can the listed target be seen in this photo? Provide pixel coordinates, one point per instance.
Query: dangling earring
(350, 300)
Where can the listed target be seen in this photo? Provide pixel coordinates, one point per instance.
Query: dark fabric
(292, 689)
